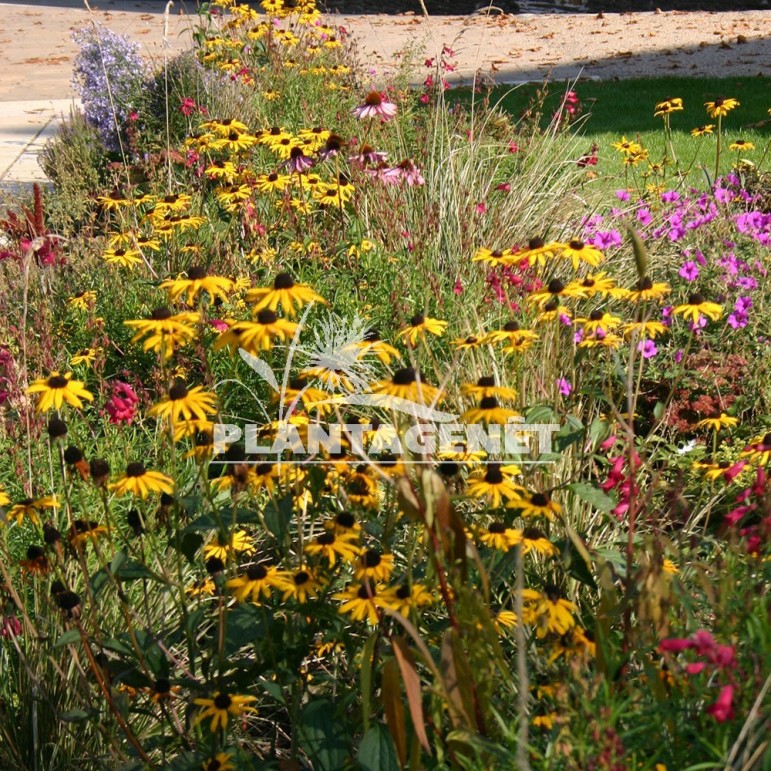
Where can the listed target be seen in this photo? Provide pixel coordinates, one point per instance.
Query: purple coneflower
(375, 106)
(368, 156)
(298, 161)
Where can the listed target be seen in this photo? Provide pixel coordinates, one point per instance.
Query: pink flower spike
(675, 645)
(696, 667)
(731, 473)
(722, 709)
(703, 642)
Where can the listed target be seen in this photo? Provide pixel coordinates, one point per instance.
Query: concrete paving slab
(25, 127)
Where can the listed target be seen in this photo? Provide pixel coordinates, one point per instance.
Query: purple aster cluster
(108, 76)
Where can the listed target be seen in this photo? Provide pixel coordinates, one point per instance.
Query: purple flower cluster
(108, 76)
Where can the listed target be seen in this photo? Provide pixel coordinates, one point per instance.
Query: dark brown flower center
(535, 243)
(417, 320)
(644, 284)
(263, 469)
(532, 534)
(555, 286)
(596, 315)
(222, 701)
(497, 528)
(404, 376)
(494, 476)
(266, 317)
(178, 391)
(162, 685)
(487, 381)
(57, 381)
(696, 298)
(576, 244)
(326, 539)
(160, 314)
(345, 519)
(196, 273)
(301, 577)
(488, 403)
(373, 99)
(511, 326)
(135, 469)
(366, 592)
(539, 499)
(283, 281)
(371, 558)
(256, 572)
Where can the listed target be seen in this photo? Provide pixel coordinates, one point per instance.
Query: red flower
(722, 709)
(122, 405)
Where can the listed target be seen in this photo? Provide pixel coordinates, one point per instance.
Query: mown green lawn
(612, 109)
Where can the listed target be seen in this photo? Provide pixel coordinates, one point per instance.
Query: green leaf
(77, 715)
(543, 414)
(323, 737)
(574, 563)
(98, 580)
(377, 752)
(111, 644)
(244, 626)
(593, 496)
(278, 517)
(68, 638)
(189, 545)
(366, 679)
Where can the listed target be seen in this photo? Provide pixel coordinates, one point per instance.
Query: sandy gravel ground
(36, 52)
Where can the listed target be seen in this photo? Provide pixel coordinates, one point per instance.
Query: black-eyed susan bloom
(493, 257)
(485, 387)
(534, 539)
(539, 251)
(361, 602)
(220, 762)
(419, 326)
(758, 450)
(598, 320)
(499, 536)
(548, 611)
(82, 530)
(285, 293)
(123, 256)
(333, 547)
(30, 508)
(258, 335)
(86, 357)
(56, 389)
(36, 562)
(164, 331)
(668, 106)
(716, 422)
(597, 284)
(721, 106)
(644, 329)
(627, 147)
(139, 481)
(703, 131)
(646, 289)
(4, 499)
(407, 384)
(579, 252)
(405, 598)
(221, 706)
(300, 585)
(512, 334)
(554, 290)
(740, 145)
(536, 504)
(255, 583)
(488, 411)
(467, 343)
(495, 482)
(696, 307)
(374, 565)
(185, 403)
(374, 345)
(196, 280)
(226, 547)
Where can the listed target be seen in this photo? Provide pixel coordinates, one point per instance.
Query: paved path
(36, 52)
